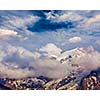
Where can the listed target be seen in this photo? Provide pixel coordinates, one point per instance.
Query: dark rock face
(2, 87)
(91, 82)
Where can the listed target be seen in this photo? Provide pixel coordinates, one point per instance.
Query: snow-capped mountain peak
(70, 55)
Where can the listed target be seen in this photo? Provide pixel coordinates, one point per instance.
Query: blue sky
(52, 27)
(36, 29)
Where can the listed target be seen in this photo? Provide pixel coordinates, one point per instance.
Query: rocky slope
(90, 82)
(41, 83)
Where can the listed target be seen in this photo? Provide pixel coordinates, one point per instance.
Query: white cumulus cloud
(75, 39)
(51, 49)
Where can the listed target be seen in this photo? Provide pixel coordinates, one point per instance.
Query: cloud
(91, 61)
(6, 32)
(49, 15)
(20, 55)
(64, 16)
(14, 72)
(36, 55)
(51, 49)
(94, 19)
(54, 69)
(75, 39)
(70, 16)
(16, 56)
(51, 68)
(13, 66)
(19, 22)
(14, 22)
(98, 42)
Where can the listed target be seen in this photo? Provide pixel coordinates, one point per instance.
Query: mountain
(41, 83)
(72, 54)
(89, 82)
